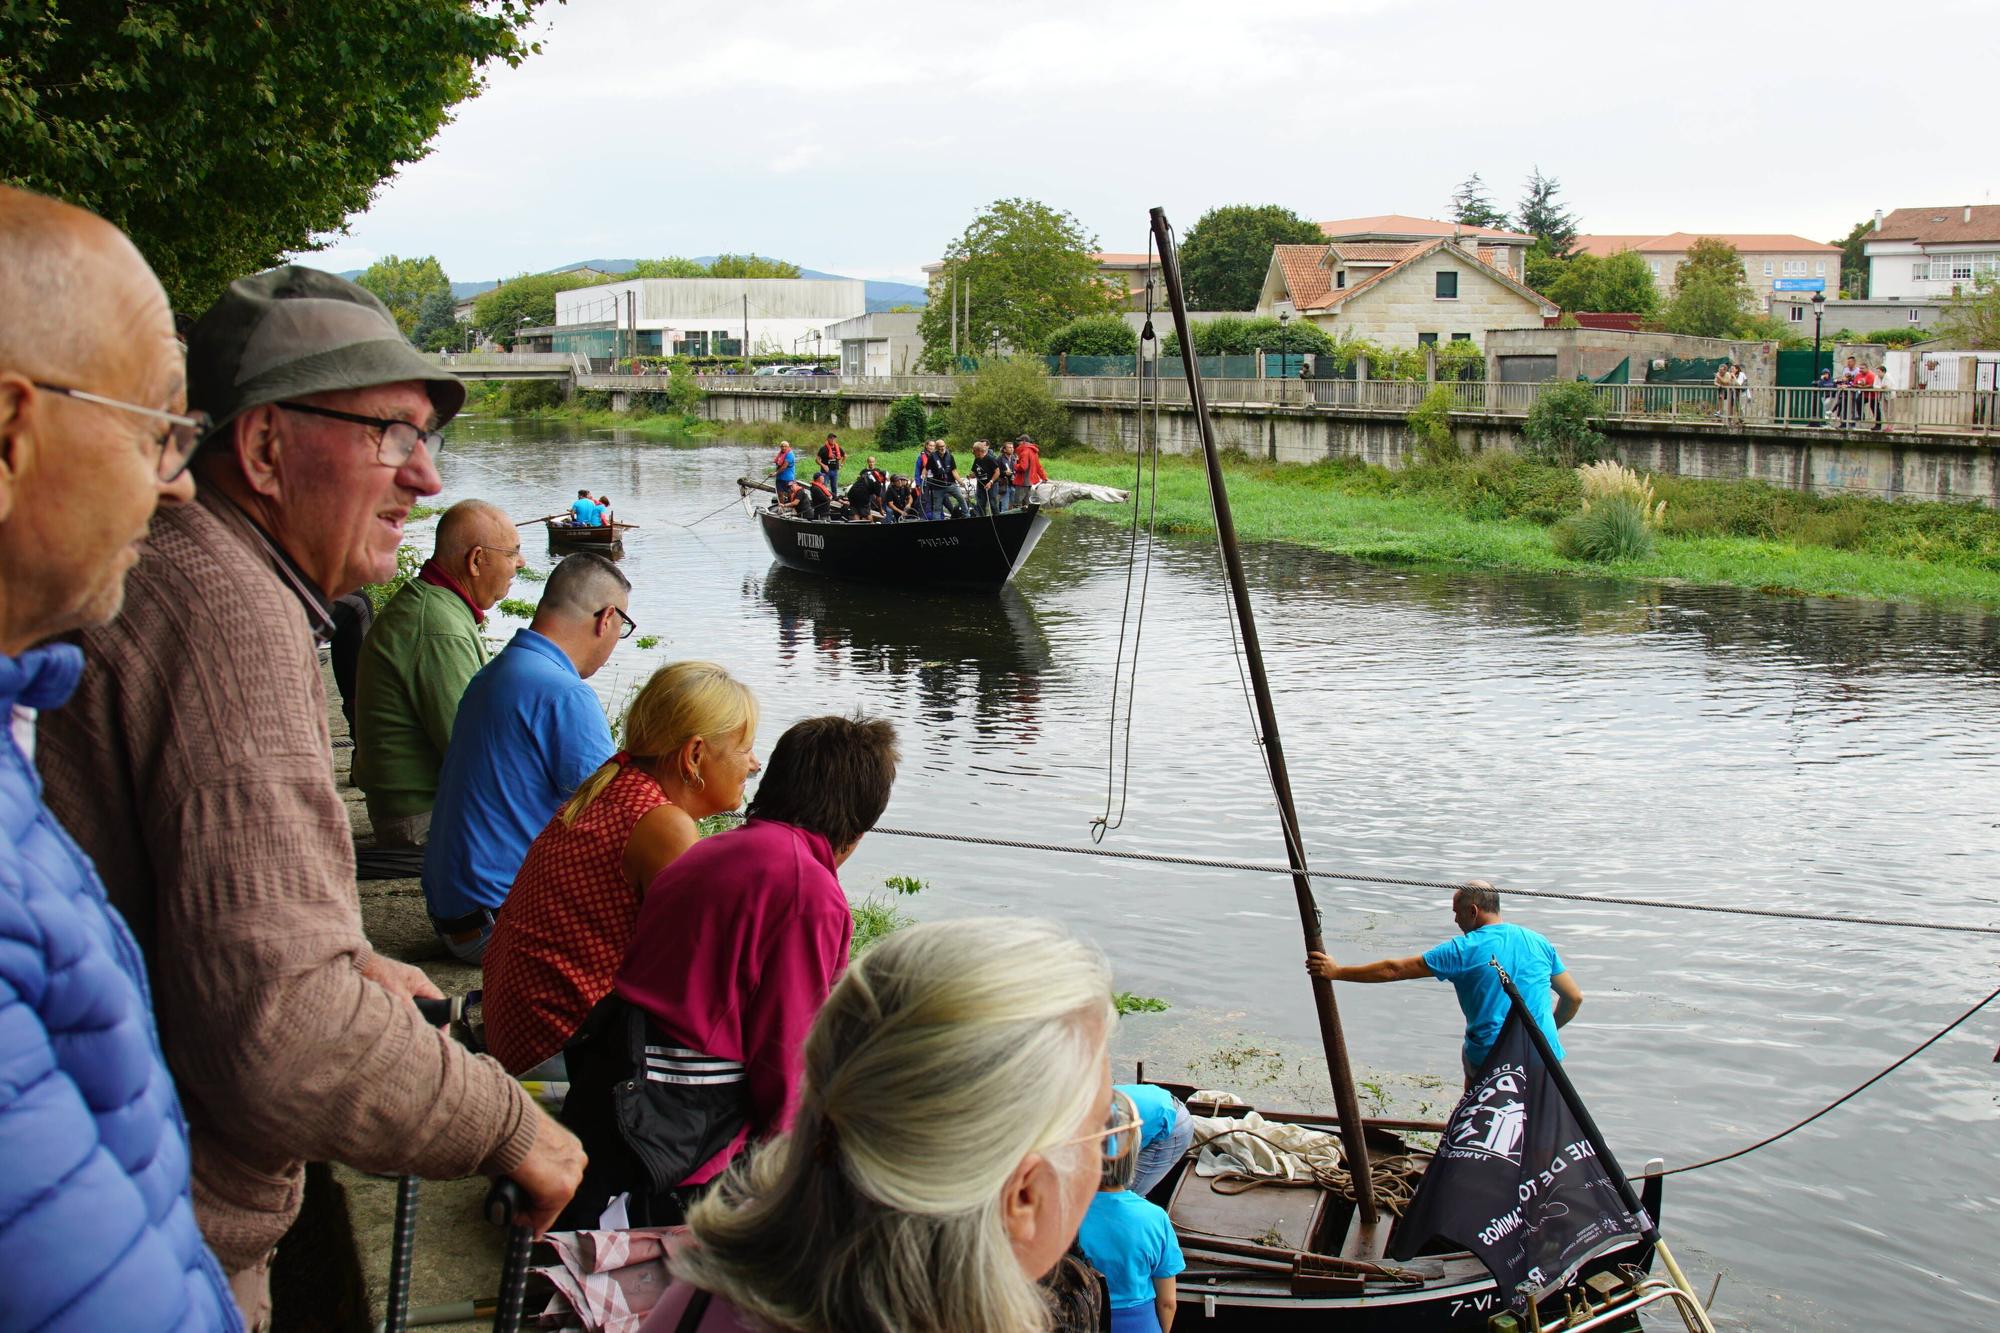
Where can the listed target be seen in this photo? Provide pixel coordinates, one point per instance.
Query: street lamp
(1284, 344)
(1819, 312)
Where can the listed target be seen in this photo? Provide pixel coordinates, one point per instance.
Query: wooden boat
(1283, 1257)
(982, 552)
(603, 538)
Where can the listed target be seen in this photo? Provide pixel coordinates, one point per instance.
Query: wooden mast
(1369, 1234)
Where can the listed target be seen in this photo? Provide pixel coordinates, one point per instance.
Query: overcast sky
(860, 138)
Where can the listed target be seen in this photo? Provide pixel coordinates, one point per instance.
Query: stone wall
(1396, 309)
(1594, 352)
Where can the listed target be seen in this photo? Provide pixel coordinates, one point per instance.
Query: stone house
(1502, 249)
(1767, 257)
(1398, 293)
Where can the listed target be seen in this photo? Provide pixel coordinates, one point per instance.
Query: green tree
(1472, 204)
(1007, 396)
(404, 284)
(1094, 335)
(1020, 272)
(528, 299)
(751, 266)
(1971, 318)
(1552, 225)
(1558, 429)
(1711, 297)
(1620, 282)
(223, 136)
(1228, 252)
(1854, 261)
(437, 323)
(673, 266)
(1242, 337)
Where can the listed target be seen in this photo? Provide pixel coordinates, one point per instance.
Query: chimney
(1968, 212)
(1878, 219)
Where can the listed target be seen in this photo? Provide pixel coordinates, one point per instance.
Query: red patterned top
(563, 931)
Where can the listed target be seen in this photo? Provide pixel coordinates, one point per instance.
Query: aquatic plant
(529, 574)
(647, 641)
(876, 918)
(1612, 529)
(1125, 1002)
(1608, 479)
(516, 607)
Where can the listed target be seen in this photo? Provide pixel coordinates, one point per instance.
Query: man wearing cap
(195, 767)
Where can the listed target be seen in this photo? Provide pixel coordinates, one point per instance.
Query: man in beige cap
(195, 766)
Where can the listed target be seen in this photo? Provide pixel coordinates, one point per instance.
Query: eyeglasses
(396, 441)
(631, 625)
(176, 444)
(1118, 1159)
(500, 550)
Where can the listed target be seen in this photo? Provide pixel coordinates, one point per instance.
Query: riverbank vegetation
(1498, 510)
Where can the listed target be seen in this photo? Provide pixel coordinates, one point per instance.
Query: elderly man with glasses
(98, 1228)
(529, 730)
(195, 767)
(422, 651)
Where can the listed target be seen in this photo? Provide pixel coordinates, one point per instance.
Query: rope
(1352, 877)
(1395, 1177)
(1848, 1096)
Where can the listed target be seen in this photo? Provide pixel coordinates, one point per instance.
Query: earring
(696, 780)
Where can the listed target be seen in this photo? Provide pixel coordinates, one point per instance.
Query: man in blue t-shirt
(529, 730)
(583, 511)
(1131, 1241)
(1165, 1132)
(1532, 962)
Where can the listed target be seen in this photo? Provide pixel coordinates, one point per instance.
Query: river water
(1597, 737)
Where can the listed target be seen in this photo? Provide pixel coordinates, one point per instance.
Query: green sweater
(420, 653)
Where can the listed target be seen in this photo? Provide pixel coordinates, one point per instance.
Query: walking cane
(396, 1315)
(505, 1205)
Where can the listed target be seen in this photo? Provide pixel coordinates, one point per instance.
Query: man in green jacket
(423, 648)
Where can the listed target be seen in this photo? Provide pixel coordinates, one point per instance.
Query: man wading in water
(1529, 958)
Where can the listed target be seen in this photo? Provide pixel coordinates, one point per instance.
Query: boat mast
(1332, 1042)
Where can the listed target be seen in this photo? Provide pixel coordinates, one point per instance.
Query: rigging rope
(1354, 877)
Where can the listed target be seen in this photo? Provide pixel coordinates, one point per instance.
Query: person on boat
(784, 466)
(1003, 485)
(604, 518)
(529, 730)
(568, 919)
(99, 1226)
(736, 945)
(1533, 963)
(864, 497)
(899, 502)
(1165, 1134)
(1028, 471)
(583, 511)
(830, 456)
(941, 497)
(953, 1101)
(421, 652)
(1131, 1240)
(293, 1040)
(985, 476)
(819, 497)
(790, 497)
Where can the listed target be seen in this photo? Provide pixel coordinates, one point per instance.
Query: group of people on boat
(585, 512)
(996, 479)
(190, 1010)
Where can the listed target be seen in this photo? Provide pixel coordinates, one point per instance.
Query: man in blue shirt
(1165, 1132)
(529, 730)
(1532, 962)
(583, 511)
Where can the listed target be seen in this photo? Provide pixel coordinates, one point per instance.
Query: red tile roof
(1399, 224)
(1749, 243)
(1306, 280)
(1374, 252)
(1957, 222)
(1122, 260)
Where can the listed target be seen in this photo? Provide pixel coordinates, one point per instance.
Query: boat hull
(604, 540)
(979, 552)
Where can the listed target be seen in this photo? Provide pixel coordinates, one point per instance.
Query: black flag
(1521, 1177)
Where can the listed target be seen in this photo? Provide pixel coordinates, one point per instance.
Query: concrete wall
(1910, 467)
(1399, 307)
(1855, 316)
(1595, 352)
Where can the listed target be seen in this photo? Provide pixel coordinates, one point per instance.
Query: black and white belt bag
(676, 1108)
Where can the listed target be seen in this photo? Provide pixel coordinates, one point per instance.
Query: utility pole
(954, 322)
(746, 327)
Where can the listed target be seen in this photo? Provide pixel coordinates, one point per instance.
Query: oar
(530, 522)
(750, 485)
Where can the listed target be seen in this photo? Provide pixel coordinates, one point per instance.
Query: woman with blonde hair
(954, 1121)
(569, 917)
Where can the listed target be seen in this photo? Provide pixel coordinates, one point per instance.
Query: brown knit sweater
(195, 768)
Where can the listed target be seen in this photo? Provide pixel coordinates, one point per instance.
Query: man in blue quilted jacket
(97, 1229)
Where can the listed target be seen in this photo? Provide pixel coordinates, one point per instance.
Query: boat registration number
(937, 541)
(812, 541)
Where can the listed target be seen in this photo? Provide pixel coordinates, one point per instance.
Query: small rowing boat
(602, 538)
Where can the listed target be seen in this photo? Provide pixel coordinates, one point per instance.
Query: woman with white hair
(955, 1120)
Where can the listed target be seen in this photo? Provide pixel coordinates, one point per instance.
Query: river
(1591, 736)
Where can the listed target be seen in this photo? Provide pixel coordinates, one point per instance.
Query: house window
(1427, 339)
(1819, 268)
(1339, 280)
(1921, 270)
(1916, 316)
(1655, 266)
(1797, 313)
(1447, 290)
(1767, 268)
(1461, 337)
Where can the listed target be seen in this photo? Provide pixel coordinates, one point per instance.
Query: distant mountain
(880, 294)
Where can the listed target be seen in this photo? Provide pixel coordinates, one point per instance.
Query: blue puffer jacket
(97, 1230)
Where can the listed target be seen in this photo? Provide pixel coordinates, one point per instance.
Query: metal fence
(1972, 410)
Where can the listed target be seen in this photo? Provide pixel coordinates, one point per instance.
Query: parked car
(770, 370)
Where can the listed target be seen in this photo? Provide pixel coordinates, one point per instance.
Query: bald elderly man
(424, 648)
(196, 767)
(97, 1226)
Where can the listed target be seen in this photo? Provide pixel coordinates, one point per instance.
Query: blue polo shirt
(1131, 1241)
(529, 730)
(1529, 959)
(586, 512)
(1155, 1106)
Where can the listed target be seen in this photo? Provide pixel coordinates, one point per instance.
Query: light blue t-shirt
(1155, 1106)
(529, 730)
(1529, 959)
(586, 513)
(788, 463)
(1130, 1241)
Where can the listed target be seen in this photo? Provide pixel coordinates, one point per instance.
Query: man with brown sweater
(195, 766)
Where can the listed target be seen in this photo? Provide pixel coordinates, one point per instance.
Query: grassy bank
(1496, 510)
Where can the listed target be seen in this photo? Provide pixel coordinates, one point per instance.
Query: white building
(882, 343)
(1927, 254)
(705, 316)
